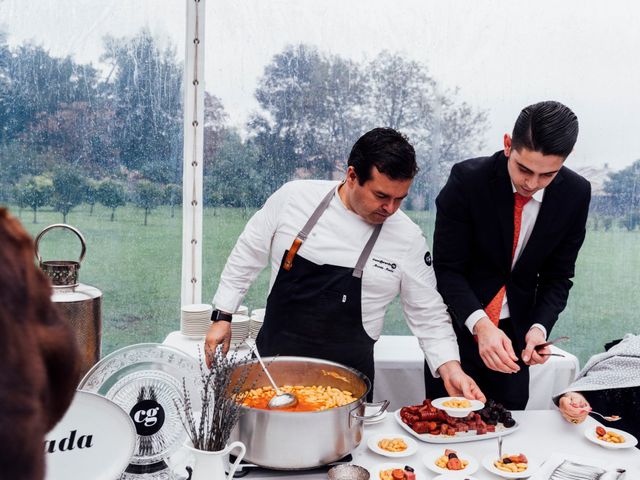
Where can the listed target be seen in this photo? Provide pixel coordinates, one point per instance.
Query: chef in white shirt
(339, 253)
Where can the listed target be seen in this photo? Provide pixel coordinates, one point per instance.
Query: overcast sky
(500, 54)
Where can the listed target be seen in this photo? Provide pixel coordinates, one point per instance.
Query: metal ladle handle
(68, 227)
(264, 368)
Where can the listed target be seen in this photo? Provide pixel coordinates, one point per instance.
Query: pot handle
(383, 407)
(239, 457)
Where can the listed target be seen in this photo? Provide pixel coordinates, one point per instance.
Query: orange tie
(495, 306)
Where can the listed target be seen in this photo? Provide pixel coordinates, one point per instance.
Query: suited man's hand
(574, 407)
(495, 347)
(459, 383)
(530, 356)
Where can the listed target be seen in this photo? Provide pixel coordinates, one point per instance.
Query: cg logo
(148, 416)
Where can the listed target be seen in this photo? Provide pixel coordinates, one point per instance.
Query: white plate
(372, 443)
(457, 412)
(455, 476)
(630, 440)
(469, 436)
(429, 461)
(375, 471)
(371, 411)
(487, 462)
(145, 380)
(197, 308)
(95, 439)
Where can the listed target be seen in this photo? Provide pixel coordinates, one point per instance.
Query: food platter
(145, 380)
(470, 436)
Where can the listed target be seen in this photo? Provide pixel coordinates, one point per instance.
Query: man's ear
(352, 177)
(507, 145)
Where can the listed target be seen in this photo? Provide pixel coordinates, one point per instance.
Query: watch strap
(217, 315)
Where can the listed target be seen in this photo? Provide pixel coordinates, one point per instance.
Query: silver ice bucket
(80, 305)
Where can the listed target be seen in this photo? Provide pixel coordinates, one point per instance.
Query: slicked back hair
(549, 127)
(386, 149)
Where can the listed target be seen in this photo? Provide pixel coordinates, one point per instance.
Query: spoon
(280, 399)
(608, 418)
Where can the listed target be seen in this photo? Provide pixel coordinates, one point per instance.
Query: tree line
(111, 133)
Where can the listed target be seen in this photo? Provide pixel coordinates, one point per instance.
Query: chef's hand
(574, 407)
(495, 347)
(219, 333)
(530, 356)
(459, 383)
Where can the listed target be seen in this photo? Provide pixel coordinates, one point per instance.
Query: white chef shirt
(397, 264)
(529, 215)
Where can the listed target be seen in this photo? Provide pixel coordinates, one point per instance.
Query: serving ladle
(280, 399)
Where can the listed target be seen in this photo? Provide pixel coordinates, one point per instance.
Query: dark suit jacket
(473, 241)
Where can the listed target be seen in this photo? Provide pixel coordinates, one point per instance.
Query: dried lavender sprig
(219, 395)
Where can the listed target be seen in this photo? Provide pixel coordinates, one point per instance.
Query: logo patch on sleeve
(427, 259)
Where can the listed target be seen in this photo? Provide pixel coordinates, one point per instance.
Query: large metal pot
(299, 440)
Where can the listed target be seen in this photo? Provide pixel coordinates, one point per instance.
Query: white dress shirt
(529, 215)
(397, 264)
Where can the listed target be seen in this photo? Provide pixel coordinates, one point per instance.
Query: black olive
(506, 460)
(452, 455)
(408, 468)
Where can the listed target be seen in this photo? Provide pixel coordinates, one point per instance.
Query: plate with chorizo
(610, 437)
(429, 424)
(395, 471)
(450, 461)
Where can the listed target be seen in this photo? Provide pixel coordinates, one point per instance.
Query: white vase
(211, 465)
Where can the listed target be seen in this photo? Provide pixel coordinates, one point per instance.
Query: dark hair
(386, 149)
(550, 128)
(38, 353)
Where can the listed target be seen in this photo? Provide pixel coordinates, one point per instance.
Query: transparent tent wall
(289, 86)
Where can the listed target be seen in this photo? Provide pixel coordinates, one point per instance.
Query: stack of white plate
(257, 317)
(239, 329)
(195, 319)
(243, 310)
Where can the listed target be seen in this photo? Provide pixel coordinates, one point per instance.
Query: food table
(541, 434)
(399, 370)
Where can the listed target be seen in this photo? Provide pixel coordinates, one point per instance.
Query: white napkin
(545, 471)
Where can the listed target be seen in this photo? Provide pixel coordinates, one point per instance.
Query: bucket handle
(68, 227)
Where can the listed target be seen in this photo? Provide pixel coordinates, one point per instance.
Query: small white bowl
(487, 462)
(429, 461)
(371, 411)
(372, 443)
(457, 412)
(629, 440)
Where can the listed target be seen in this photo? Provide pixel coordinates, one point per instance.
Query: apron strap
(306, 230)
(364, 256)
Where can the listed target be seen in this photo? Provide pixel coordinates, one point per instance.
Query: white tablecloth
(399, 371)
(542, 434)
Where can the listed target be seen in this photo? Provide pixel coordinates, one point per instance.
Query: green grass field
(138, 269)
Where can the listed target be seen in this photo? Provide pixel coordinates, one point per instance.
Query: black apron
(315, 310)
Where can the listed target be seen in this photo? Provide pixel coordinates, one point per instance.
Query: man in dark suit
(507, 235)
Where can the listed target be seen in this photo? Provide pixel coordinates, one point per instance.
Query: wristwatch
(217, 315)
